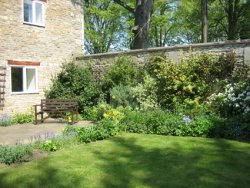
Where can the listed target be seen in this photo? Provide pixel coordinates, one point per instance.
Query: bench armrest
(35, 106)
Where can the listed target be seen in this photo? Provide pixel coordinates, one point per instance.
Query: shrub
(122, 72)
(99, 111)
(166, 74)
(114, 115)
(5, 120)
(18, 118)
(75, 82)
(89, 114)
(21, 118)
(122, 95)
(168, 123)
(103, 130)
(145, 94)
(236, 127)
(191, 82)
(234, 100)
(50, 145)
(9, 155)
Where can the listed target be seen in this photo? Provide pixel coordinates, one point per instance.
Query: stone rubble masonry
(100, 62)
(56, 43)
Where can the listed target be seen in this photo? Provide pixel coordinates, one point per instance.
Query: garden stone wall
(100, 62)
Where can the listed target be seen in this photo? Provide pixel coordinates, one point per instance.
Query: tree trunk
(204, 13)
(233, 8)
(142, 21)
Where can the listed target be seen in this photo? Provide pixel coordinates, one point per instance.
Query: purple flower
(186, 119)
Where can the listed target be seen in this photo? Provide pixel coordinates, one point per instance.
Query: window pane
(17, 79)
(31, 79)
(39, 13)
(27, 13)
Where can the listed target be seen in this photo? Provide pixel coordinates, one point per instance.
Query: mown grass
(138, 160)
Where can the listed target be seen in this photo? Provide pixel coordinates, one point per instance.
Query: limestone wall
(100, 62)
(57, 42)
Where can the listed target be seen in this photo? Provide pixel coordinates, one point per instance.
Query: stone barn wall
(46, 47)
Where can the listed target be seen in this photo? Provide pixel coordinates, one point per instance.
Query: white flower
(247, 110)
(231, 89)
(247, 98)
(241, 95)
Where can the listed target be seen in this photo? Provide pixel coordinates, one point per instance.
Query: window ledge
(25, 93)
(32, 24)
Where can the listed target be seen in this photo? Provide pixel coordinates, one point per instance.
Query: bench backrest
(58, 104)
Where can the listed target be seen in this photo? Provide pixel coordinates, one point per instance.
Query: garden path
(27, 133)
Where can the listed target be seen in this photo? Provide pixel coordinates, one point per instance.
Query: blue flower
(238, 130)
(186, 119)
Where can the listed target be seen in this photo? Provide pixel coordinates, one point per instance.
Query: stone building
(36, 37)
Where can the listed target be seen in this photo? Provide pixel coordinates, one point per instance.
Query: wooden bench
(56, 107)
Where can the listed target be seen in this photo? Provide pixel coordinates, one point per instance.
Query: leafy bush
(103, 130)
(21, 118)
(75, 82)
(122, 72)
(236, 127)
(114, 115)
(50, 145)
(5, 120)
(192, 81)
(89, 114)
(9, 155)
(145, 94)
(168, 123)
(99, 110)
(234, 100)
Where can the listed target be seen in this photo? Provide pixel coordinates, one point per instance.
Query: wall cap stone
(162, 49)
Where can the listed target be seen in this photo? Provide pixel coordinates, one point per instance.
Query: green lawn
(137, 160)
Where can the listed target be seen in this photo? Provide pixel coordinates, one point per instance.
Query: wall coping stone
(162, 49)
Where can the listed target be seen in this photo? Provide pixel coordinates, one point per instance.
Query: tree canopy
(134, 24)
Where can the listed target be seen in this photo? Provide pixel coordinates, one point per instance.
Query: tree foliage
(103, 24)
(119, 24)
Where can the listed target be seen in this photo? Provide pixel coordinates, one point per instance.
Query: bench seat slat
(58, 106)
(47, 103)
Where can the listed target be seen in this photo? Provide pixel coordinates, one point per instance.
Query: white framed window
(24, 79)
(33, 12)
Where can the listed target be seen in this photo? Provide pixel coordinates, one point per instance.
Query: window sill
(25, 93)
(32, 24)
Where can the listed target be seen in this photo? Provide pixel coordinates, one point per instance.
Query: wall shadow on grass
(43, 174)
(134, 160)
(177, 165)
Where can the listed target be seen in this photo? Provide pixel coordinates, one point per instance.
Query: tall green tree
(188, 17)
(234, 11)
(245, 23)
(162, 26)
(103, 25)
